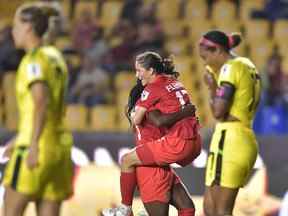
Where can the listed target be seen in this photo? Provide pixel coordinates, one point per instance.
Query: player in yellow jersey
(40, 167)
(234, 87)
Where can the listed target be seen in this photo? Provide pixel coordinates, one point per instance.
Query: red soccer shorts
(168, 150)
(155, 183)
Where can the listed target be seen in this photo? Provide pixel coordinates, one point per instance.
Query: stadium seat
(196, 30)
(110, 13)
(260, 51)
(63, 42)
(125, 80)
(10, 104)
(177, 46)
(173, 28)
(223, 11)
(183, 63)
(195, 10)
(257, 30)
(121, 102)
(247, 6)
(168, 9)
(85, 6)
(103, 118)
(76, 117)
(280, 31)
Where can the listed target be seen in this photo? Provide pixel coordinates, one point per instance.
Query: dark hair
(226, 41)
(154, 60)
(134, 96)
(38, 16)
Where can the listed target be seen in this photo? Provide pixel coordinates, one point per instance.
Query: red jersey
(147, 132)
(168, 95)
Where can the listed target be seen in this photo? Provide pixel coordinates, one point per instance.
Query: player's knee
(208, 208)
(223, 212)
(125, 160)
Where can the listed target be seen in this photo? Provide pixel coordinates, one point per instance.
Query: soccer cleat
(121, 210)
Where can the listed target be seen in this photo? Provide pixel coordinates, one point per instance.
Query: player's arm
(222, 101)
(159, 119)
(138, 115)
(40, 94)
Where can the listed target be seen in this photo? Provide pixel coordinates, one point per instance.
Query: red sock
(127, 185)
(186, 212)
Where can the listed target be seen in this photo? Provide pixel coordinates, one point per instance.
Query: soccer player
(40, 167)
(181, 143)
(159, 186)
(234, 86)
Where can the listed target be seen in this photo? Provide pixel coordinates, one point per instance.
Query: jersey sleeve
(149, 98)
(36, 70)
(229, 73)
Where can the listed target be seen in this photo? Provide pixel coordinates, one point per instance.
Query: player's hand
(32, 158)
(210, 81)
(189, 110)
(9, 148)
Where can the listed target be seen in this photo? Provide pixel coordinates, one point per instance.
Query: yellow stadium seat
(183, 63)
(260, 52)
(168, 9)
(281, 31)
(196, 30)
(125, 80)
(195, 10)
(103, 118)
(257, 30)
(223, 10)
(247, 6)
(10, 104)
(121, 102)
(63, 42)
(82, 6)
(177, 46)
(173, 28)
(76, 117)
(110, 13)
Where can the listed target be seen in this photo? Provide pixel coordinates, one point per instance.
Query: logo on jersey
(144, 95)
(225, 70)
(34, 70)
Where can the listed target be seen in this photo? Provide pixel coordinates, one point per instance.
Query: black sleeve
(225, 91)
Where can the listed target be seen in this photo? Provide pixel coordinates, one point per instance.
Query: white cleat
(121, 210)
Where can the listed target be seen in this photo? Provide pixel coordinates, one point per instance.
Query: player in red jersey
(181, 143)
(159, 186)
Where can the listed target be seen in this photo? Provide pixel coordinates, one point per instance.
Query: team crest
(144, 95)
(225, 70)
(34, 70)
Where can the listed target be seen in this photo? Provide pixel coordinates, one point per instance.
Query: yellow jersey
(243, 75)
(44, 64)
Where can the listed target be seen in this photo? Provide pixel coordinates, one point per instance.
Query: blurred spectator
(121, 56)
(273, 10)
(84, 30)
(130, 10)
(9, 56)
(91, 86)
(99, 46)
(150, 37)
(272, 79)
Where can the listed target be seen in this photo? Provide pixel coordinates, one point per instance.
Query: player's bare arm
(159, 119)
(39, 91)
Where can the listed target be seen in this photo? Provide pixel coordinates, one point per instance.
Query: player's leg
(208, 202)
(14, 202)
(181, 200)
(48, 208)
(157, 208)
